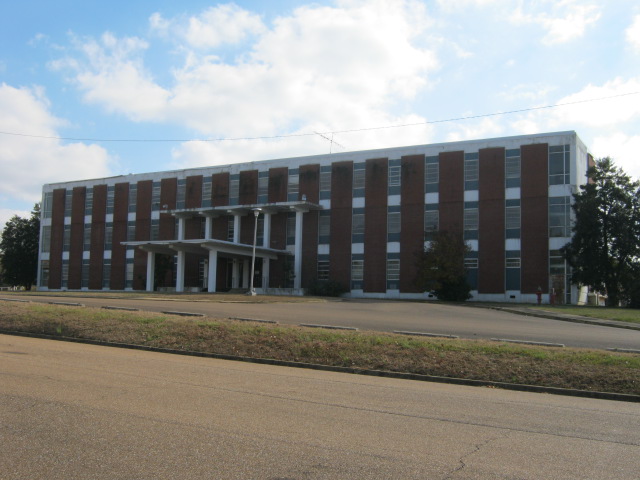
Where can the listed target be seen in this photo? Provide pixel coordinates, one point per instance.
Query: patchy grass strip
(606, 313)
(592, 370)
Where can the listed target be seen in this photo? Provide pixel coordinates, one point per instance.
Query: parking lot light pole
(256, 212)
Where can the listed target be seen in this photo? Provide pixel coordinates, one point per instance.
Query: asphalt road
(381, 315)
(72, 411)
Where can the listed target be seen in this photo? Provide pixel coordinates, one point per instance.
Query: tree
(605, 248)
(19, 250)
(441, 267)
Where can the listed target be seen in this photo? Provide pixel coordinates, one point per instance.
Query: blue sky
(169, 77)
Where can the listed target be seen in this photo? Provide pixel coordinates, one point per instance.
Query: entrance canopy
(241, 210)
(204, 246)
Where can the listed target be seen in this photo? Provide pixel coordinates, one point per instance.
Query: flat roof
(322, 159)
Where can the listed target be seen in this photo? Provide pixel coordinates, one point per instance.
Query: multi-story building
(357, 218)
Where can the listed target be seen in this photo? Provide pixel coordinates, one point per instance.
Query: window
(431, 223)
(106, 273)
(470, 262)
(155, 196)
(234, 189)
(559, 217)
(357, 225)
(84, 275)
(206, 192)
(65, 273)
(45, 242)
(133, 197)
(260, 231)
(512, 218)
(325, 182)
(512, 168)
(66, 239)
(358, 179)
(393, 271)
(559, 164)
(88, 203)
(393, 225)
(68, 200)
(131, 231)
(471, 171)
(512, 273)
(108, 236)
(129, 273)
(512, 259)
(263, 187)
(431, 174)
(394, 178)
(155, 230)
(556, 263)
(323, 268)
(111, 190)
(48, 205)
(230, 229)
(471, 266)
(44, 273)
(293, 185)
(181, 193)
(291, 229)
(470, 221)
(357, 270)
(324, 227)
(86, 240)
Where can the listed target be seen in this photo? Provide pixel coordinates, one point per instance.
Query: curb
(622, 397)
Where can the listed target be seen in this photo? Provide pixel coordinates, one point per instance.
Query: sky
(90, 89)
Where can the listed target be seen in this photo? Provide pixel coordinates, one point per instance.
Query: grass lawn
(607, 313)
(583, 369)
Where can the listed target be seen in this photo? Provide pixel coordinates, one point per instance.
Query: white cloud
(633, 33)
(622, 148)
(222, 24)
(343, 66)
(563, 20)
(113, 75)
(27, 162)
(605, 113)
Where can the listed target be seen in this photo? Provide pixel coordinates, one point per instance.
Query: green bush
(326, 288)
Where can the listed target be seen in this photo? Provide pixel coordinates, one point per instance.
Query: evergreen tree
(441, 267)
(19, 250)
(605, 248)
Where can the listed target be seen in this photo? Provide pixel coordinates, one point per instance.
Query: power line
(292, 135)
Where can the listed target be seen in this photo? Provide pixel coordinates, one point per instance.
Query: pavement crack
(463, 459)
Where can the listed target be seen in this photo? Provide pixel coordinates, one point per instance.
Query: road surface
(71, 411)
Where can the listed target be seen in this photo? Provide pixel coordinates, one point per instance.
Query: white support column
(266, 230)
(236, 229)
(213, 270)
(265, 273)
(246, 272)
(151, 270)
(235, 274)
(180, 272)
(297, 263)
(180, 228)
(207, 226)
